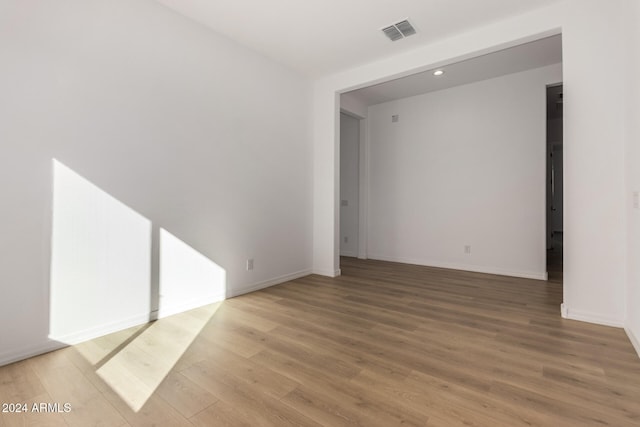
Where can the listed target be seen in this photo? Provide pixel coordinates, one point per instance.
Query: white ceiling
(536, 54)
(318, 37)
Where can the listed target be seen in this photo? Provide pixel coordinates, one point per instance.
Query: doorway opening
(542, 58)
(554, 229)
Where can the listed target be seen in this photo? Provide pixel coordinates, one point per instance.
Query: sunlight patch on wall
(188, 279)
(101, 283)
(100, 261)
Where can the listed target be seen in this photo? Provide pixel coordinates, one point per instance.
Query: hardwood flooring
(384, 345)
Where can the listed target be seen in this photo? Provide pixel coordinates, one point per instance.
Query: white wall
(633, 175)
(463, 166)
(594, 160)
(349, 184)
(204, 138)
(595, 274)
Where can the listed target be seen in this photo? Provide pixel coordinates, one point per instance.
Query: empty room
(319, 213)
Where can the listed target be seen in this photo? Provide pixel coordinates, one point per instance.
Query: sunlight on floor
(134, 368)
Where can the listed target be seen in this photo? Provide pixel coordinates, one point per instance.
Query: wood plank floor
(384, 345)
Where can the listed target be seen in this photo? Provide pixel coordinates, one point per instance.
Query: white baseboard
(31, 351)
(328, 273)
(233, 293)
(56, 343)
(585, 316)
(267, 283)
(634, 340)
(349, 254)
(465, 267)
(564, 311)
(101, 330)
(172, 309)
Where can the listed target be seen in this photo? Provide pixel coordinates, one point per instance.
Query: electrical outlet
(346, 239)
(395, 118)
(250, 264)
(636, 199)
(467, 249)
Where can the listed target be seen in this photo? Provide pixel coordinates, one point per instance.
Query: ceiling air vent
(393, 33)
(399, 30)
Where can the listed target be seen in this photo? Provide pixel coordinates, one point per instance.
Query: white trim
(465, 267)
(363, 188)
(101, 330)
(172, 309)
(564, 311)
(31, 351)
(585, 316)
(88, 334)
(328, 273)
(349, 254)
(634, 341)
(267, 283)
(234, 293)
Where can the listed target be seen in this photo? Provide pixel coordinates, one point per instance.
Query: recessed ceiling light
(438, 72)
